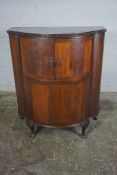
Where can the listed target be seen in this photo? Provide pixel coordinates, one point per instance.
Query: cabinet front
(37, 56)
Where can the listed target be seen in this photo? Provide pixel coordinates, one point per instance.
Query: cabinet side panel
(28, 97)
(16, 61)
(96, 73)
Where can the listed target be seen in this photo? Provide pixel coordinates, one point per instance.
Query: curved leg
(33, 127)
(84, 126)
(95, 118)
(21, 117)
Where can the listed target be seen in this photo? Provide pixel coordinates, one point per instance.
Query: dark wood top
(56, 31)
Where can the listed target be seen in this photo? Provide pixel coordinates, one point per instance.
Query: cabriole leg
(21, 117)
(95, 118)
(33, 127)
(84, 126)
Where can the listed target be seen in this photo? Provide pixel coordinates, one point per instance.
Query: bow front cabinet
(57, 74)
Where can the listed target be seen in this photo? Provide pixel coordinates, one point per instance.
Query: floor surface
(58, 151)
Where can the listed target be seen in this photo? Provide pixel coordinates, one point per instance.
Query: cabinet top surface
(56, 31)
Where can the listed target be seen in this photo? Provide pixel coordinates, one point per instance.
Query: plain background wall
(60, 13)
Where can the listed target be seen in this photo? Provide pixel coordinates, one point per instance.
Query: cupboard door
(81, 53)
(63, 54)
(74, 55)
(60, 104)
(36, 53)
(69, 102)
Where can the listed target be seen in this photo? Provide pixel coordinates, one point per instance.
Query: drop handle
(51, 62)
(57, 62)
(54, 62)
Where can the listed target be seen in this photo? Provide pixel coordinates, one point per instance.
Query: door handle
(57, 62)
(51, 62)
(54, 62)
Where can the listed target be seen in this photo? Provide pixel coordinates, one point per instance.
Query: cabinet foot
(33, 127)
(21, 117)
(95, 118)
(84, 126)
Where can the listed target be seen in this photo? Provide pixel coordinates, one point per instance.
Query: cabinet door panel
(75, 56)
(68, 103)
(60, 104)
(35, 53)
(63, 53)
(81, 52)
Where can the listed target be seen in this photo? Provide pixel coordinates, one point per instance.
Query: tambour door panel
(60, 104)
(63, 53)
(35, 53)
(75, 56)
(81, 52)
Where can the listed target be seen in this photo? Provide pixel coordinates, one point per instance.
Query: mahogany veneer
(57, 74)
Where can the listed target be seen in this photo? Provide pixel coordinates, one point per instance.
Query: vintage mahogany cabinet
(57, 74)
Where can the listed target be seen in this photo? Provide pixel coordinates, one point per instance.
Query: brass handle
(51, 62)
(54, 63)
(57, 62)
